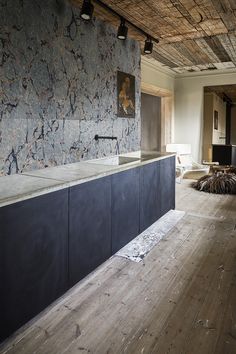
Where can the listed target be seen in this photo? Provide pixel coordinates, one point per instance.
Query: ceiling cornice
(156, 66)
(207, 73)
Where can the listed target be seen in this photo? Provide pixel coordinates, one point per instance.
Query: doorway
(156, 117)
(150, 122)
(219, 118)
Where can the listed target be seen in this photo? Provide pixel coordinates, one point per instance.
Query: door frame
(167, 106)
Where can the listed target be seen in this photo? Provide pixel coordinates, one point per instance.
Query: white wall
(153, 74)
(189, 106)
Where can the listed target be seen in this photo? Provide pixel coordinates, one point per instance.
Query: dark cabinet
(167, 184)
(150, 201)
(34, 257)
(49, 243)
(124, 207)
(90, 227)
(224, 154)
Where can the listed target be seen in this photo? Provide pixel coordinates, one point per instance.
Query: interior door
(150, 122)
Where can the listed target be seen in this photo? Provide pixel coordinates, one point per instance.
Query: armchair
(185, 166)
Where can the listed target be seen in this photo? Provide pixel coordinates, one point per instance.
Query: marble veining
(58, 86)
(139, 247)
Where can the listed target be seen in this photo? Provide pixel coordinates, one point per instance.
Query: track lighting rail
(108, 8)
(87, 13)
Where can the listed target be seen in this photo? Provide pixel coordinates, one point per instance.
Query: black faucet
(97, 137)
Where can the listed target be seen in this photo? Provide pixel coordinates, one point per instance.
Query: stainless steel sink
(115, 160)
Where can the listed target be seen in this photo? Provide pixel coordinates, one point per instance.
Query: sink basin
(115, 160)
(146, 157)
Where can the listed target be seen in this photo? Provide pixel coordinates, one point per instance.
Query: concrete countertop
(28, 185)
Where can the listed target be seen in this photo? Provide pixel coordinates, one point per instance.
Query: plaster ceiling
(195, 35)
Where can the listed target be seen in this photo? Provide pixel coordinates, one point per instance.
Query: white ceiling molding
(155, 65)
(207, 73)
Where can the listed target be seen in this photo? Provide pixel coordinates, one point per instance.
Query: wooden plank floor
(180, 300)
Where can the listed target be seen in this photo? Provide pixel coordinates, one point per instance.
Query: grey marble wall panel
(58, 86)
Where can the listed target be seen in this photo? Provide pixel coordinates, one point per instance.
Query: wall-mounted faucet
(97, 137)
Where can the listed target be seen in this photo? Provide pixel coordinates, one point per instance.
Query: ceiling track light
(148, 46)
(122, 30)
(87, 10)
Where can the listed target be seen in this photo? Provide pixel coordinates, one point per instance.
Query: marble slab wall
(58, 86)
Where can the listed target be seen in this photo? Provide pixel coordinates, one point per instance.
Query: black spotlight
(148, 46)
(87, 10)
(122, 30)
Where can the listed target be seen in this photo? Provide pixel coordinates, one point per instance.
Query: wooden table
(223, 169)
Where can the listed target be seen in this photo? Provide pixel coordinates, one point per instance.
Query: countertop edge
(67, 184)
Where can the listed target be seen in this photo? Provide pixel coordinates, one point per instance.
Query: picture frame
(216, 119)
(125, 95)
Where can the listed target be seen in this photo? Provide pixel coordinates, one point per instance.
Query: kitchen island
(58, 224)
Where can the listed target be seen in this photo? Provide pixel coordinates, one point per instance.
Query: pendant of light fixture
(122, 32)
(87, 9)
(148, 46)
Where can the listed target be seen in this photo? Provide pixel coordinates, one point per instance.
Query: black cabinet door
(125, 207)
(167, 184)
(150, 201)
(34, 257)
(90, 227)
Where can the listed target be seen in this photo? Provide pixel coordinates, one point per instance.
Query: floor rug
(139, 247)
(219, 183)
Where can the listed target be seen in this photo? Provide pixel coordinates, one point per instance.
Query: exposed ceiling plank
(201, 56)
(229, 46)
(205, 48)
(226, 12)
(215, 44)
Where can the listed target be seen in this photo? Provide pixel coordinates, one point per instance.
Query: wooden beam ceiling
(195, 35)
(223, 91)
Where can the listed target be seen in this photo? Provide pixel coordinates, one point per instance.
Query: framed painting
(216, 120)
(125, 95)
